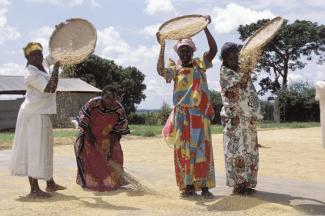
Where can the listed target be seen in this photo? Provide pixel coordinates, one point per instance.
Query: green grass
(9, 136)
(145, 130)
(66, 132)
(289, 125)
(216, 129)
(155, 130)
(6, 136)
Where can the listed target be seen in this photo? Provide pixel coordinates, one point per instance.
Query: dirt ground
(291, 182)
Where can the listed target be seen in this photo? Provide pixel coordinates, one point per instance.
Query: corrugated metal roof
(75, 85)
(13, 84)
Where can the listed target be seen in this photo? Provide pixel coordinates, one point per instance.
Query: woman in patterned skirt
(188, 126)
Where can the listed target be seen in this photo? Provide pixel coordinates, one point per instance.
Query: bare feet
(38, 195)
(35, 191)
(54, 187)
(249, 191)
(51, 186)
(243, 191)
(189, 191)
(206, 193)
(239, 189)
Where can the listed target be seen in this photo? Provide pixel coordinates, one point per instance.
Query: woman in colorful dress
(32, 153)
(102, 122)
(239, 115)
(188, 126)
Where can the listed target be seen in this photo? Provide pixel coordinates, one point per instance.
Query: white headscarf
(185, 41)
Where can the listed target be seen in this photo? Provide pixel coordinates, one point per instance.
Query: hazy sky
(126, 31)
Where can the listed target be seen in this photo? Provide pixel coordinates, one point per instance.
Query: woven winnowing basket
(263, 35)
(252, 49)
(73, 42)
(182, 27)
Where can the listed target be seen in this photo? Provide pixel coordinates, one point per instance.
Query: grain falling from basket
(249, 60)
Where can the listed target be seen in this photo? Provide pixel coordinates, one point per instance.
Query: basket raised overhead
(182, 27)
(73, 41)
(252, 49)
(263, 35)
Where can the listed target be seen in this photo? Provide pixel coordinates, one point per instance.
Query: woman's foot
(206, 193)
(35, 191)
(54, 187)
(189, 191)
(239, 189)
(51, 186)
(249, 191)
(243, 190)
(38, 194)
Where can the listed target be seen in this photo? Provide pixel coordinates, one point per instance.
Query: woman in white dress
(32, 153)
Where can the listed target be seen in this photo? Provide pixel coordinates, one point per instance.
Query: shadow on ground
(239, 203)
(90, 202)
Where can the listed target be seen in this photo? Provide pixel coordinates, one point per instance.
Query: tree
(295, 44)
(216, 101)
(99, 72)
(164, 113)
(298, 103)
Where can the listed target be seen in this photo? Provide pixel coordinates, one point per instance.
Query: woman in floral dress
(239, 115)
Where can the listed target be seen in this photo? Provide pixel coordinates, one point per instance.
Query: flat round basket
(252, 49)
(182, 27)
(73, 41)
(263, 35)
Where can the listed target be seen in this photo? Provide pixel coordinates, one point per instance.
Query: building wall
(68, 107)
(9, 112)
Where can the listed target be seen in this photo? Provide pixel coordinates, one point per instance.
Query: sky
(126, 32)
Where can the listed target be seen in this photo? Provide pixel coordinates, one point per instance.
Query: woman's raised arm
(212, 43)
(161, 58)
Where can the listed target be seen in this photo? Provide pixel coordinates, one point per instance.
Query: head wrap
(32, 46)
(185, 41)
(229, 47)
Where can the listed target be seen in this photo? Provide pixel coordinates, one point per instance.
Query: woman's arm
(91, 136)
(161, 58)
(245, 79)
(53, 82)
(212, 43)
(84, 119)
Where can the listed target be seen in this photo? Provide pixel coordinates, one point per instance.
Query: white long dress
(32, 153)
(320, 95)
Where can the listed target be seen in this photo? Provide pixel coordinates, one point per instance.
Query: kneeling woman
(102, 121)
